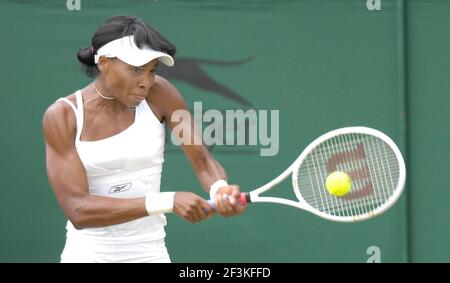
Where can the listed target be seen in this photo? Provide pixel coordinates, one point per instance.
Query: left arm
(175, 112)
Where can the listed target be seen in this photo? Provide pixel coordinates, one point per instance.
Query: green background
(322, 64)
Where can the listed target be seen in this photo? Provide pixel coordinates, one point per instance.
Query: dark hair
(117, 27)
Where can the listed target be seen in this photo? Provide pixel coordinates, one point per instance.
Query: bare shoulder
(165, 97)
(59, 110)
(163, 88)
(59, 119)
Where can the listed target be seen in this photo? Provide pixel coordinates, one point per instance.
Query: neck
(100, 92)
(105, 100)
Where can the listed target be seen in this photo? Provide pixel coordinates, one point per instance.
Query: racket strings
(376, 198)
(366, 204)
(371, 163)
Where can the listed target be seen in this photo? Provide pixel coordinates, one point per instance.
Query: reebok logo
(120, 188)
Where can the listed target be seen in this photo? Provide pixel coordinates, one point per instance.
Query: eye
(137, 69)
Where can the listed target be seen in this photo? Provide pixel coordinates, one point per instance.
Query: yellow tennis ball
(338, 183)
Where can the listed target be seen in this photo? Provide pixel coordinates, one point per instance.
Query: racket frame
(254, 196)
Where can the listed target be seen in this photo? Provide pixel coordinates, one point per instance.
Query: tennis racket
(369, 157)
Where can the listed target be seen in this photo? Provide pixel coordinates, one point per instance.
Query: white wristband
(157, 203)
(215, 187)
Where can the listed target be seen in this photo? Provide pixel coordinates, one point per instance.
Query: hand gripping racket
(369, 157)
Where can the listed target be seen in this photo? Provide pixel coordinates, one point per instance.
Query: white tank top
(125, 165)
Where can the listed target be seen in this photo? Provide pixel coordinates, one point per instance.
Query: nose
(146, 82)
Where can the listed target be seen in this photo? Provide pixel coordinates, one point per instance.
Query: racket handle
(243, 200)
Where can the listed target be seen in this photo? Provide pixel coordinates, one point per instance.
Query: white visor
(126, 50)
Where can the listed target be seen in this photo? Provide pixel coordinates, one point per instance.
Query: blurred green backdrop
(323, 64)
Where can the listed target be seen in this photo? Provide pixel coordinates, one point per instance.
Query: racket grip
(243, 200)
(212, 204)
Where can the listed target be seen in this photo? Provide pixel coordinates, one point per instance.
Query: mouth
(139, 97)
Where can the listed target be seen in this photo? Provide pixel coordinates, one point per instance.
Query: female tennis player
(104, 151)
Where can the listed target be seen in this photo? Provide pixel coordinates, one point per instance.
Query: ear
(104, 64)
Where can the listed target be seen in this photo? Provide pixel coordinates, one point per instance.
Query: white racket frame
(302, 204)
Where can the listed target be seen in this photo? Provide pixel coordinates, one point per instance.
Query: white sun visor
(126, 50)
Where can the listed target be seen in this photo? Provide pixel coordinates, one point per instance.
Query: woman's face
(128, 84)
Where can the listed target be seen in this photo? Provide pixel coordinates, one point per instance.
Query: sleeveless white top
(125, 165)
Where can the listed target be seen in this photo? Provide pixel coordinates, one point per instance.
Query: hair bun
(86, 56)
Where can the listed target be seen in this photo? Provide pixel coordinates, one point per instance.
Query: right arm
(68, 180)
